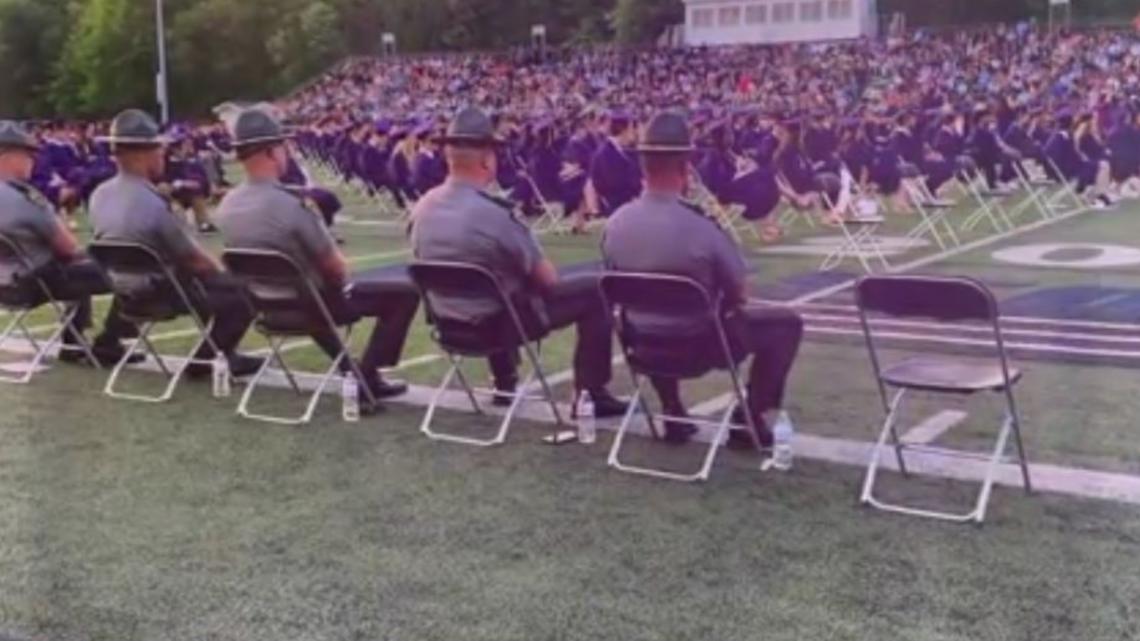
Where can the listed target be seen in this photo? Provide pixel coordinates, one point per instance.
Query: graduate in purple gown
(615, 171)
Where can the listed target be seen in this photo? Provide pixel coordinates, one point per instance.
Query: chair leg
(174, 376)
(42, 350)
(313, 399)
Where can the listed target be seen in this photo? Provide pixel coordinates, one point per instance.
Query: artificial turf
(182, 521)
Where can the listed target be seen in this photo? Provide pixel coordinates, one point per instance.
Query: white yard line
(934, 426)
(944, 340)
(985, 331)
(715, 404)
(1022, 320)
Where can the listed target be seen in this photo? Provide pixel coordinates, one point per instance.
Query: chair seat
(939, 204)
(948, 375)
(864, 220)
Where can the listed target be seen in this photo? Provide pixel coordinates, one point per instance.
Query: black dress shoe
(738, 437)
(606, 405)
(504, 394)
(104, 356)
(241, 366)
(382, 389)
(679, 432)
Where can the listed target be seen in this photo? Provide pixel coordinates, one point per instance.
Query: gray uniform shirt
(264, 215)
(127, 208)
(26, 219)
(660, 233)
(459, 222)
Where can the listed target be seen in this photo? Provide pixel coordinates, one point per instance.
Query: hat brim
(470, 141)
(133, 141)
(665, 149)
(262, 140)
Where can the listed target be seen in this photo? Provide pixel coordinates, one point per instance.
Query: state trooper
(26, 218)
(129, 208)
(659, 232)
(460, 222)
(262, 214)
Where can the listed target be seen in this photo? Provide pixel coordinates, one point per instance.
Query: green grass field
(121, 521)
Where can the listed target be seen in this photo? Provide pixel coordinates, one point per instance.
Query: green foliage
(642, 21)
(31, 34)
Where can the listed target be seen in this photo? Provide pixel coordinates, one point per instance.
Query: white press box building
(725, 22)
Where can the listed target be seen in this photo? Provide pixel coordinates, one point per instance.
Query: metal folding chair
(150, 292)
(934, 214)
(1035, 193)
(671, 356)
(948, 300)
(288, 304)
(989, 202)
(22, 291)
(1064, 197)
(860, 231)
(463, 338)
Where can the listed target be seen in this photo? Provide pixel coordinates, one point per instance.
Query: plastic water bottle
(587, 424)
(350, 398)
(782, 433)
(221, 372)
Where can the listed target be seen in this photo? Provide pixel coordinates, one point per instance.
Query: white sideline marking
(1055, 479)
(934, 426)
(985, 331)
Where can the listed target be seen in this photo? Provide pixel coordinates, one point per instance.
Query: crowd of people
(463, 143)
(767, 120)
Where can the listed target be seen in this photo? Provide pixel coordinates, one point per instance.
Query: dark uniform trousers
(392, 304)
(772, 336)
(227, 304)
(574, 300)
(75, 283)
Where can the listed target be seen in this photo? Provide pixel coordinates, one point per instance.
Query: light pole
(160, 79)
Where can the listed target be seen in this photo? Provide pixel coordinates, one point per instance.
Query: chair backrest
(943, 299)
(142, 280)
(451, 281)
(19, 285)
(939, 298)
(670, 301)
(273, 280)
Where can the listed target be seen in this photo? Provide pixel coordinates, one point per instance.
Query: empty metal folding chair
(989, 202)
(461, 338)
(947, 300)
(22, 291)
(288, 304)
(1064, 198)
(860, 230)
(933, 214)
(150, 292)
(679, 356)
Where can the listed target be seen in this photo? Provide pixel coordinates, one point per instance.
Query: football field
(185, 521)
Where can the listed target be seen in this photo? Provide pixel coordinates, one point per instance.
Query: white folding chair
(860, 229)
(287, 304)
(150, 292)
(670, 356)
(933, 214)
(989, 202)
(463, 338)
(951, 301)
(22, 291)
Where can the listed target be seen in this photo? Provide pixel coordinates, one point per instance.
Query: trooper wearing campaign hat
(263, 214)
(460, 221)
(26, 219)
(660, 232)
(130, 208)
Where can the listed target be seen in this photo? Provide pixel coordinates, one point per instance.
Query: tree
(108, 61)
(31, 36)
(642, 21)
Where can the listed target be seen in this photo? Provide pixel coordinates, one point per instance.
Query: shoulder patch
(505, 203)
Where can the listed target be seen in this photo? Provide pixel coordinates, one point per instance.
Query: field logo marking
(1069, 255)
